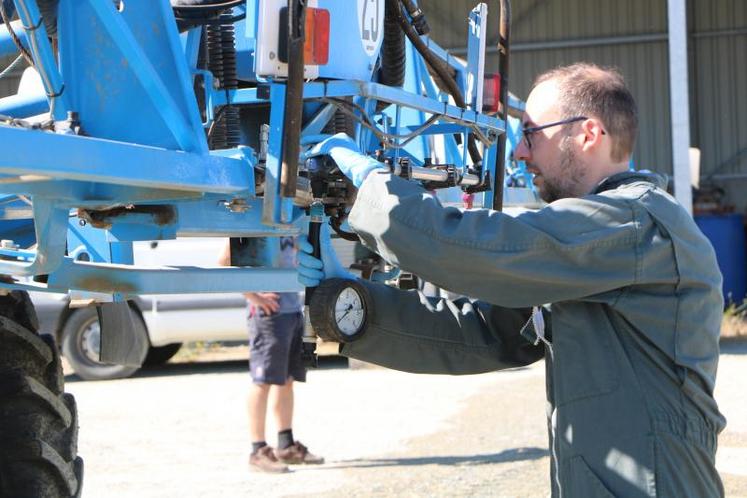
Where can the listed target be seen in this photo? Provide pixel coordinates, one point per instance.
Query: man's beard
(567, 179)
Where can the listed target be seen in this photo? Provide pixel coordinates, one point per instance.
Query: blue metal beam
(23, 106)
(89, 159)
(131, 280)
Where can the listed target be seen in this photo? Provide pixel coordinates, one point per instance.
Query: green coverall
(632, 338)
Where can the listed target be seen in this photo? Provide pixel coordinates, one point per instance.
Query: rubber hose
(393, 58)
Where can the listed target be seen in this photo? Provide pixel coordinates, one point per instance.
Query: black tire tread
(38, 421)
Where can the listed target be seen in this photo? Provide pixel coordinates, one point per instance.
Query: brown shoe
(264, 460)
(296, 454)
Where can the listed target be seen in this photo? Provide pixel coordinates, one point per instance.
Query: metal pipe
(44, 58)
(23, 106)
(503, 67)
(293, 98)
(428, 174)
(469, 179)
(679, 100)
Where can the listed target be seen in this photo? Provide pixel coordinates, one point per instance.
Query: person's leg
(281, 402)
(257, 409)
(262, 351)
(289, 450)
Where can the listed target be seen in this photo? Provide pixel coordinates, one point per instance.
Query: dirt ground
(180, 430)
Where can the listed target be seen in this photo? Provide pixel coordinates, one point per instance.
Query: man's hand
(311, 270)
(347, 156)
(265, 301)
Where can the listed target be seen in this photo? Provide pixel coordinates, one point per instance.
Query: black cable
(14, 37)
(437, 65)
(200, 21)
(210, 6)
(384, 137)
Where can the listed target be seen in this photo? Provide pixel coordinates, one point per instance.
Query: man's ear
(592, 133)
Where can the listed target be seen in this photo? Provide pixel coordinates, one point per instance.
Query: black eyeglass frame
(526, 132)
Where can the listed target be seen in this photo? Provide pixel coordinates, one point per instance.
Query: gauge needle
(350, 307)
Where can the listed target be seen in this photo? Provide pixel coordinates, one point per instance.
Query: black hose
(438, 66)
(48, 11)
(417, 16)
(393, 58)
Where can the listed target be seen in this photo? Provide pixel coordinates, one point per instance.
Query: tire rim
(90, 341)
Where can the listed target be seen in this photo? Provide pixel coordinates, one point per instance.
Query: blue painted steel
(7, 46)
(95, 160)
(146, 97)
(129, 75)
(271, 214)
(44, 57)
(132, 280)
(50, 227)
(23, 106)
(355, 38)
(476, 40)
(316, 90)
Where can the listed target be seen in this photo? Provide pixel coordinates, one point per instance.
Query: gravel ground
(180, 430)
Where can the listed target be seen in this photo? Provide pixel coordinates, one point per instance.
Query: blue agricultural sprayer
(153, 120)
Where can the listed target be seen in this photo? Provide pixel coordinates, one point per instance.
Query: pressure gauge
(339, 310)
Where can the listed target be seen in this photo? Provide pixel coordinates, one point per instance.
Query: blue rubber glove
(347, 156)
(311, 271)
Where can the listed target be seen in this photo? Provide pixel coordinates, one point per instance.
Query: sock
(257, 445)
(285, 438)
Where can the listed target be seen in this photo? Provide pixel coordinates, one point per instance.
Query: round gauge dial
(349, 311)
(339, 310)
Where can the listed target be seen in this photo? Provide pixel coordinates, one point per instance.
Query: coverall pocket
(585, 363)
(584, 483)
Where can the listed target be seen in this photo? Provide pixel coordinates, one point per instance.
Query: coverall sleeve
(426, 335)
(572, 248)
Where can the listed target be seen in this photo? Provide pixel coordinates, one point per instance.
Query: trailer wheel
(38, 421)
(158, 355)
(81, 344)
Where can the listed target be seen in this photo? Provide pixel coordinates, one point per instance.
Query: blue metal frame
(129, 75)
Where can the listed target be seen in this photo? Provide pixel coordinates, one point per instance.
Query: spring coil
(221, 50)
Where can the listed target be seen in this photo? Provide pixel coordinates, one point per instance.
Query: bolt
(272, 55)
(82, 222)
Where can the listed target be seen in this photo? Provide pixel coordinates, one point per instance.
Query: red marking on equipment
(316, 47)
(491, 93)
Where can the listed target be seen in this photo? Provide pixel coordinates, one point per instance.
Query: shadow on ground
(512, 455)
(212, 367)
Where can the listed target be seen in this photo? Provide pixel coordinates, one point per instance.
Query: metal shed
(634, 36)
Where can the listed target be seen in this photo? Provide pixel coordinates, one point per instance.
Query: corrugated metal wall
(632, 35)
(718, 69)
(9, 83)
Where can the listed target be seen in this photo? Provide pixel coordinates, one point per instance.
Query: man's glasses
(526, 133)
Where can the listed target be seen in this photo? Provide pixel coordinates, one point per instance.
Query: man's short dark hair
(590, 90)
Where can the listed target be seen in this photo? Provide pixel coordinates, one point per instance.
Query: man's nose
(522, 152)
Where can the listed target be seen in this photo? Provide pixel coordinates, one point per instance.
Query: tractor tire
(158, 355)
(38, 421)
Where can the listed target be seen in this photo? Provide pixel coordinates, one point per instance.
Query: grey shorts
(275, 348)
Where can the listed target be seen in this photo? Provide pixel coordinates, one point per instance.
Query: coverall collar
(625, 177)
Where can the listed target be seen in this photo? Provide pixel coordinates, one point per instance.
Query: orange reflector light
(316, 47)
(491, 94)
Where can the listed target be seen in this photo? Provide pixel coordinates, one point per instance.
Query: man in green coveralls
(630, 339)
